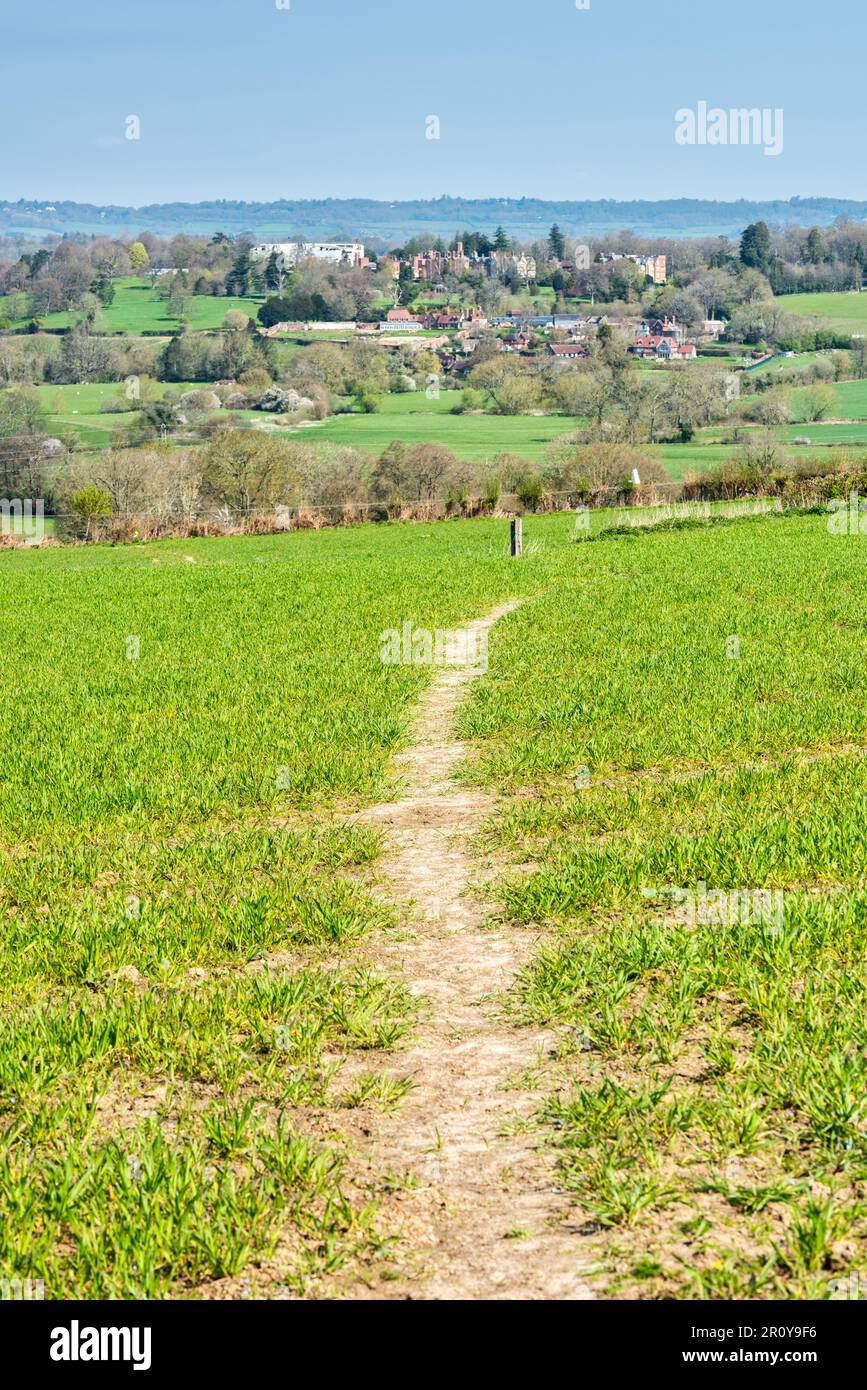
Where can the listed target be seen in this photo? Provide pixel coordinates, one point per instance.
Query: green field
(138, 309)
(680, 459)
(851, 398)
(413, 419)
(31, 527)
(782, 366)
(845, 310)
(77, 410)
(191, 920)
(820, 433)
(707, 1096)
(185, 909)
(420, 403)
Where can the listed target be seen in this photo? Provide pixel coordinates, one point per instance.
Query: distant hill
(389, 224)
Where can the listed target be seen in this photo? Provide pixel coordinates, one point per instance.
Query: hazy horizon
(325, 99)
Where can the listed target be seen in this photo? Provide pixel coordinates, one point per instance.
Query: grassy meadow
(414, 419)
(77, 411)
(137, 308)
(845, 309)
(851, 400)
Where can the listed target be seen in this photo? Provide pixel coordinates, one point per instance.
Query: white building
(290, 252)
(523, 266)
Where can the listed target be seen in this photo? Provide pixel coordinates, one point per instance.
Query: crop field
(184, 906)
(820, 432)
(197, 1030)
(683, 714)
(696, 457)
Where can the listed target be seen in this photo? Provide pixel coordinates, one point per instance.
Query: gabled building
(654, 267)
(567, 350)
(400, 320)
(431, 266)
(662, 348)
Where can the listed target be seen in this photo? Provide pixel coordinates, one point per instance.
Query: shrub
(491, 493)
(88, 506)
(529, 491)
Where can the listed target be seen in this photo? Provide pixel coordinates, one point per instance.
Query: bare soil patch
(481, 1214)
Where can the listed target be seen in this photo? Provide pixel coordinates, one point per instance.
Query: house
(565, 350)
(645, 344)
(662, 328)
(402, 321)
(654, 267)
(517, 342)
(443, 319)
(655, 347)
(425, 266)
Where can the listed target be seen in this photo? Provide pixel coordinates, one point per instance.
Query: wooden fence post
(517, 546)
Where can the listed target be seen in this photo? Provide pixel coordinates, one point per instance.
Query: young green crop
(681, 715)
(184, 902)
(185, 899)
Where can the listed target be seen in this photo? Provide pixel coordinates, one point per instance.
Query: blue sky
(329, 98)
